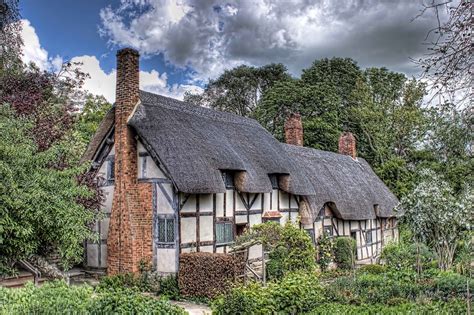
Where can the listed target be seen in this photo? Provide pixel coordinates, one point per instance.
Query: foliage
(438, 216)
(290, 247)
(325, 251)
(124, 281)
(38, 208)
(205, 274)
(239, 90)
(344, 252)
(296, 293)
(58, 298)
(372, 269)
(407, 256)
(88, 120)
(10, 35)
(169, 287)
(453, 307)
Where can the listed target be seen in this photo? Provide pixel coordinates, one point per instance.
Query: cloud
(209, 36)
(103, 83)
(32, 50)
(100, 82)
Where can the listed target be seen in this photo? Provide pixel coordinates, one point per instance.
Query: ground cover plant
(59, 298)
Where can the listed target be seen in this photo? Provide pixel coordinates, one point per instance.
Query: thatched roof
(351, 185)
(194, 144)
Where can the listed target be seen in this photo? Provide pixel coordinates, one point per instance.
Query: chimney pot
(347, 144)
(294, 130)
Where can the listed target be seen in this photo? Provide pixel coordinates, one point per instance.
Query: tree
(10, 35)
(39, 207)
(438, 216)
(239, 90)
(88, 120)
(448, 65)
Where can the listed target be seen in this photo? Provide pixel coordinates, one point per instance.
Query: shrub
(291, 248)
(122, 281)
(372, 269)
(344, 252)
(448, 285)
(205, 274)
(454, 307)
(400, 256)
(169, 287)
(298, 292)
(58, 298)
(325, 251)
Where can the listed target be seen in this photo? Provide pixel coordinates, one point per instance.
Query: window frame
(232, 233)
(110, 171)
(228, 178)
(330, 228)
(367, 234)
(166, 241)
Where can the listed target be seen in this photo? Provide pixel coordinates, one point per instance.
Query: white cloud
(100, 82)
(32, 51)
(103, 83)
(213, 35)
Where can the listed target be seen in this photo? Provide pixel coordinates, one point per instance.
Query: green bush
(296, 293)
(449, 285)
(58, 298)
(372, 269)
(404, 256)
(453, 307)
(344, 252)
(122, 281)
(169, 287)
(325, 251)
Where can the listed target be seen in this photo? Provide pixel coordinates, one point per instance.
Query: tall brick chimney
(347, 144)
(130, 227)
(294, 129)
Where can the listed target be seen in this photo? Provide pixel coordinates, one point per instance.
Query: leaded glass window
(224, 232)
(166, 230)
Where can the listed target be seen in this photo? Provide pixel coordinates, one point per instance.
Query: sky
(184, 43)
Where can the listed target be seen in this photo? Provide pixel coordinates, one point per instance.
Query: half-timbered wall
(370, 235)
(96, 252)
(192, 222)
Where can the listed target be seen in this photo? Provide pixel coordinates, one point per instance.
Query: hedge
(205, 274)
(452, 307)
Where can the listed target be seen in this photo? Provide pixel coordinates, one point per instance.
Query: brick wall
(130, 231)
(294, 130)
(347, 144)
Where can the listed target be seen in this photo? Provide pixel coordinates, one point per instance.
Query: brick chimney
(347, 144)
(294, 130)
(130, 227)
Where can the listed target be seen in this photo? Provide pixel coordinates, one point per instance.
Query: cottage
(181, 178)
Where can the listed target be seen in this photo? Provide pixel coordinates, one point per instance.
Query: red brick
(347, 144)
(294, 130)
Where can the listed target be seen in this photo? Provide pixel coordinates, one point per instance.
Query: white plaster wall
(257, 205)
(152, 170)
(239, 206)
(163, 206)
(188, 230)
(239, 219)
(219, 205)
(166, 260)
(190, 204)
(206, 228)
(229, 210)
(205, 202)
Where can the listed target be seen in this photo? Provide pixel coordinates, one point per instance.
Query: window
(228, 178)
(241, 228)
(274, 181)
(368, 237)
(110, 170)
(277, 220)
(328, 231)
(224, 232)
(166, 230)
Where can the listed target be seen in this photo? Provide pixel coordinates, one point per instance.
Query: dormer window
(274, 180)
(228, 178)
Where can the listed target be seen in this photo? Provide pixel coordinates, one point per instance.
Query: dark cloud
(210, 36)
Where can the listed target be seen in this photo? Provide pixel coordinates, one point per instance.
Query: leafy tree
(438, 216)
(10, 35)
(38, 203)
(239, 90)
(88, 120)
